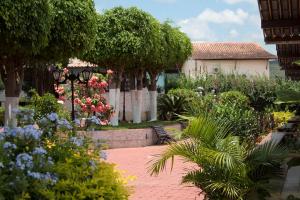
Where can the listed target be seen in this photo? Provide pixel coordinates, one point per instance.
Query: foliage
(234, 107)
(46, 104)
(169, 106)
(187, 94)
(2, 113)
(26, 167)
(82, 174)
(124, 36)
(19, 36)
(227, 169)
(244, 121)
(282, 117)
(73, 30)
(201, 105)
(49, 162)
(231, 106)
(235, 98)
(260, 90)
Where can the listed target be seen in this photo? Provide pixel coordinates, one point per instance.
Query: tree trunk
(114, 97)
(153, 96)
(12, 75)
(133, 93)
(112, 102)
(139, 96)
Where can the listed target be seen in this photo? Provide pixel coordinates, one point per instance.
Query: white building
(248, 59)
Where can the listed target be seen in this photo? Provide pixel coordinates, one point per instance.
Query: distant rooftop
(229, 51)
(75, 62)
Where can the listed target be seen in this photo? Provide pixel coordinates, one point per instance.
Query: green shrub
(234, 107)
(169, 106)
(260, 90)
(201, 105)
(2, 115)
(53, 163)
(234, 98)
(46, 104)
(187, 94)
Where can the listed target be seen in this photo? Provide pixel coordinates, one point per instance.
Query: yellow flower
(49, 144)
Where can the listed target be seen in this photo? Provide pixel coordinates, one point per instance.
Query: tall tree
(73, 32)
(171, 51)
(24, 31)
(122, 41)
(40, 32)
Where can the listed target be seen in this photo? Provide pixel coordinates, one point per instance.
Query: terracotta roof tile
(229, 51)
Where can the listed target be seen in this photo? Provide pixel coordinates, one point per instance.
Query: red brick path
(166, 186)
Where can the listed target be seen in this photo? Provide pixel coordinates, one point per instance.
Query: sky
(204, 20)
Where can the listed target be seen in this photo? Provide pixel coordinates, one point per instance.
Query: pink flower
(88, 101)
(77, 101)
(109, 72)
(104, 122)
(93, 108)
(66, 71)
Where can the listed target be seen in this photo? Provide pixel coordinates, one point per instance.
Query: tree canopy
(123, 38)
(73, 31)
(25, 27)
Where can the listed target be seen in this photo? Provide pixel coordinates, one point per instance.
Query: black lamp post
(61, 78)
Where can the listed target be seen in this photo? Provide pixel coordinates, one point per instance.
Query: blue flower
(39, 151)
(50, 162)
(52, 117)
(93, 164)
(23, 161)
(8, 145)
(63, 123)
(103, 155)
(77, 141)
(31, 132)
(41, 176)
(77, 122)
(95, 120)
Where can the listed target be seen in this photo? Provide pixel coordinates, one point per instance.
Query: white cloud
(225, 16)
(199, 27)
(240, 1)
(197, 30)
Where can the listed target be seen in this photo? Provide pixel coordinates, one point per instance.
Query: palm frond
(207, 130)
(187, 150)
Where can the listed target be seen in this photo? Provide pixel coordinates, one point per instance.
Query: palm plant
(227, 169)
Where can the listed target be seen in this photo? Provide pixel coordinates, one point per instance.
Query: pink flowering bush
(91, 101)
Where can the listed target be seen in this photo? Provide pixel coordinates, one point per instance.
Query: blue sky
(204, 20)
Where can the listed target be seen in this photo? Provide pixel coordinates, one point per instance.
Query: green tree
(39, 33)
(227, 169)
(123, 39)
(73, 32)
(171, 51)
(25, 28)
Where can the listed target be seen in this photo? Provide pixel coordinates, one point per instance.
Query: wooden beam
(283, 40)
(279, 23)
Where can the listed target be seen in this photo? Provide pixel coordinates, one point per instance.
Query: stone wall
(129, 138)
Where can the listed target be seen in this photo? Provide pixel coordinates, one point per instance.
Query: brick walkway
(166, 186)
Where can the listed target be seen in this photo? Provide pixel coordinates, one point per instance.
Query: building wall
(194, 68)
